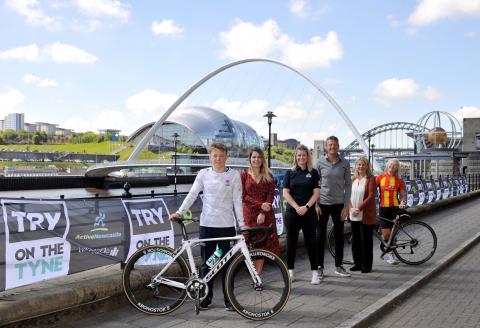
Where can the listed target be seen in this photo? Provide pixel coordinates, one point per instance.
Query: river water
(88, 192)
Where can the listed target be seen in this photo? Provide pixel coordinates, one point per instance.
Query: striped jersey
(390, 186)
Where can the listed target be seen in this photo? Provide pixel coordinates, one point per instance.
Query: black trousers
(308, 224)
(210, 247)
(362, 245)
(334, 211)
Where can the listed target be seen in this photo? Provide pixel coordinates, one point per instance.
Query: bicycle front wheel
(148, 296)
(414, 242)
(254, 302)
(347, 246)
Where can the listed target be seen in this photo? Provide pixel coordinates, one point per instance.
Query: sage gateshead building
(196, 128)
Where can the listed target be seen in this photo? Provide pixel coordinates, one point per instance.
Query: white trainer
(315, 277)
(290, 274)
(390, 259)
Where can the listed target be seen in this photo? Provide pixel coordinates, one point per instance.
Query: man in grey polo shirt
(335, 191)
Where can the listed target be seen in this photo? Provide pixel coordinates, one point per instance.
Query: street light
(175, 137)
(373, 147)
(269, 117)
(369, 149)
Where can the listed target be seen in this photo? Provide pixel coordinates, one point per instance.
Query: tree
(36, 139)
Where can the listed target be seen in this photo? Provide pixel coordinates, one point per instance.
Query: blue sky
(90, 64)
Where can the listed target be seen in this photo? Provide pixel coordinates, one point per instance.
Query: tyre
(258, 303)
(347, 246)
(414, 242)
(143, 265)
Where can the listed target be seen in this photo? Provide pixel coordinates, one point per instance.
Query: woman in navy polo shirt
(301, 191)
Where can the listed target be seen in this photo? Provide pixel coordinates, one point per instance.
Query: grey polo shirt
(335, 181)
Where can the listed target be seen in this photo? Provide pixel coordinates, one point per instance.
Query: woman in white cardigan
(363, 215)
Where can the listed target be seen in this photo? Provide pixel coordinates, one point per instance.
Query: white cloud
(431, 93)
(393, 22)
(105, 119)
(88, 26)
(298, 7)
(9, 101)
(430, 11)
(34, 15)
(150, 102)
(247, 40)
(397, 88)
(241, 111)
(317, 53)
(467, 112)
(166, 27)
(65, 53)
(28, 53)
(57, 52)
(98, 8)
(38, 81)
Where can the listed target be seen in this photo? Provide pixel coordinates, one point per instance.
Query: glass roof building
(197, 128)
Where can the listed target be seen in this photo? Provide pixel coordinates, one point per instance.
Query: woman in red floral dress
(258, 188)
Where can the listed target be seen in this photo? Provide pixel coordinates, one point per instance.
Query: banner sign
(45, 239)
(149, 224)
(36, 246)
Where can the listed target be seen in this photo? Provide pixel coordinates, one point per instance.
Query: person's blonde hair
(265, 172)
(397, 164)
(309, 157)
(367, 163)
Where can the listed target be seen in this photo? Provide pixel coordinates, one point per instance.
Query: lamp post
(269, 117)
(373, 147)
(175, 137)
(369, 147)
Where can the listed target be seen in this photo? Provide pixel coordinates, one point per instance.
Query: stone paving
(333, 302)
(450, 299)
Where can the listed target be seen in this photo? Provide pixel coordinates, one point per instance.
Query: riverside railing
(50, 238)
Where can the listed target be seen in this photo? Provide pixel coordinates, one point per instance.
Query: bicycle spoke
(262, 302)
(159, 297)
(414, 242)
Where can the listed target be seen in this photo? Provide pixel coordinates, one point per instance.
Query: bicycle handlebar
(256, 230)
(247, 230)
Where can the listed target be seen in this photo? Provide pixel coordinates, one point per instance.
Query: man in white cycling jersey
(222, 196)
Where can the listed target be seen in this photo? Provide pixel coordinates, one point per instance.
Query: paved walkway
(332, 303)
(449, 300)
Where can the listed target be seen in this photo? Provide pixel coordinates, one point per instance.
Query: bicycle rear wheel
(154, 298)
(347, 246)
(263, 302)
(414, 242)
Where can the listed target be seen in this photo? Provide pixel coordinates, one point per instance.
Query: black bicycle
(412, 242)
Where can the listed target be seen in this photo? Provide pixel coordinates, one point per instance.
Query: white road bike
(158, 279)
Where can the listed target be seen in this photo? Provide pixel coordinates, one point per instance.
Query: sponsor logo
(150, 309)
(258, 315)
(99, 224)
(99, 230)
(100, 251)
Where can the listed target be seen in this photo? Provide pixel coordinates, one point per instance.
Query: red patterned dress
(253, 196)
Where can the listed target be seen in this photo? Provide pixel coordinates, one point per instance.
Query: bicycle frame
(187, 245)
(388, 245)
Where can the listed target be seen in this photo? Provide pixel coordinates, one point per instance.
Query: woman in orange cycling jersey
(392, 197)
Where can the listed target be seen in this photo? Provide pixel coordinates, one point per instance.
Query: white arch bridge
(94, 171)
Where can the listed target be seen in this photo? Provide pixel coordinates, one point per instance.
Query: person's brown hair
(265, 172)
(217, 145)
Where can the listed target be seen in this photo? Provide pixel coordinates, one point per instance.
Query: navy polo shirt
(301, 184)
